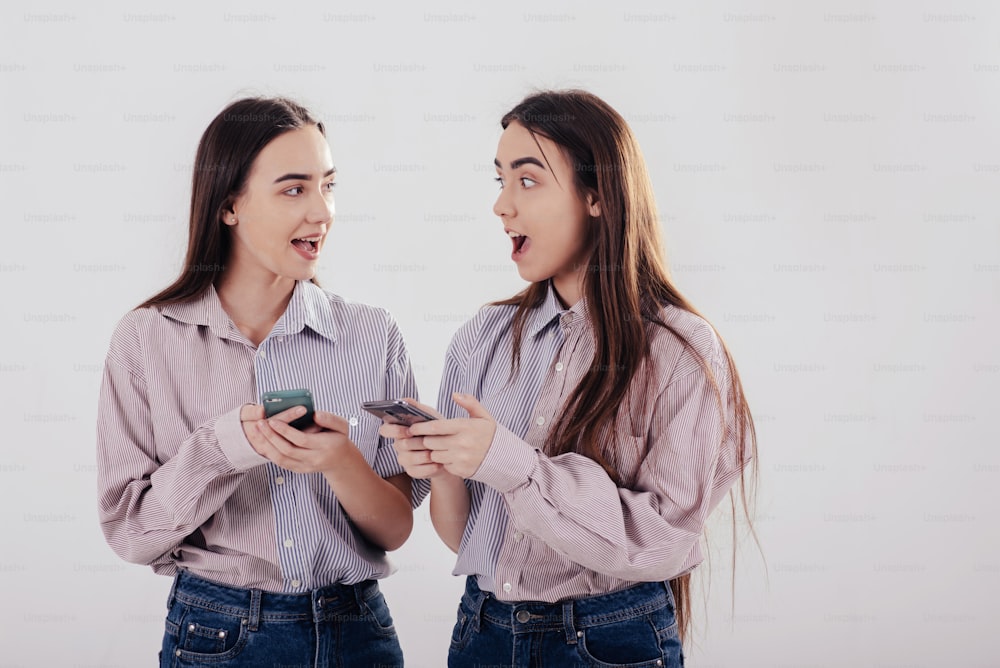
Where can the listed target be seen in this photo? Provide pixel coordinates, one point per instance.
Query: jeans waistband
(254, 605)
(571, 614)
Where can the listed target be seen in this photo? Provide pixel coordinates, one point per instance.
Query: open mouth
(309, 245)
(518, 240)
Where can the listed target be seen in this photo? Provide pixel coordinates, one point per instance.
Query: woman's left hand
(317, 448)
(460, 444)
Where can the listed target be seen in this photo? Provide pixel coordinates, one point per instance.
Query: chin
(532, 276)
(301, 274)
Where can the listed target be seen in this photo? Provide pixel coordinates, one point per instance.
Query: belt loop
(476, 600)
(254, 621)
(173, 590)
(359, 594)
(670, 595)
(568, 627)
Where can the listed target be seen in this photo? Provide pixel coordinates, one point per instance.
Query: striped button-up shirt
(180, 486)
(548, 528)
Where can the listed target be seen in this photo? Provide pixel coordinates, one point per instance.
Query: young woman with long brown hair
(275, 536)
(605, 421)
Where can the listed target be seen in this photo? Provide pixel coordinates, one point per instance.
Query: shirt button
(559, 366)
(523, 616)
(518, 535)
(261, 353)
(507, 587)
(296, 583)
(353, 421)
(281, 339)
(540, 421)
(280, 480)
(288, 542)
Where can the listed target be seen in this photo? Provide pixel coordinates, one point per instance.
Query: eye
(295, 191)
(329, 186)
(528, 182)
(500, 181)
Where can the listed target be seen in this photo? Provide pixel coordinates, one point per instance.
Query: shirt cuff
(508, 463)
(233, 442)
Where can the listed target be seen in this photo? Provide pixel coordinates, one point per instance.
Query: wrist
(446, 481)
(346, 460)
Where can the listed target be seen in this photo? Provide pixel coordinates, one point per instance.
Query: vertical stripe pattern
(550, 528)
(179, 484)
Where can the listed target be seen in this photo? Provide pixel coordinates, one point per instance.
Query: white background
(827, 174)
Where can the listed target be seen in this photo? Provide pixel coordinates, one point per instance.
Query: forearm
(145, 508)
(571, 504)
(378, 509)
(449, 509)
(609, 530)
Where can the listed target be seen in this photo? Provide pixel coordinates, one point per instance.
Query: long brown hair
(623, 304)
(225, 155)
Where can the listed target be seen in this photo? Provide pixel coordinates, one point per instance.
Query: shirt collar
(551, 309)
(308, 307)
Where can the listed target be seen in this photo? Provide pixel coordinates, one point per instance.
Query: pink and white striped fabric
(550, 528)
(179, 486)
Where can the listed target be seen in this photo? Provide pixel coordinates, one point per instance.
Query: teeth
(514, 235)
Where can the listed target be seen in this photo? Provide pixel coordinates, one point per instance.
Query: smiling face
(280, 220)
(542, 211)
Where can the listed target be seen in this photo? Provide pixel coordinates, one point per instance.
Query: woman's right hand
(449, 496)
(410, 451)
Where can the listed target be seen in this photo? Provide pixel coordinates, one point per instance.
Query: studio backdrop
(827, 176)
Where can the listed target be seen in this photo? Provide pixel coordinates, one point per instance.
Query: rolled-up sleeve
(641, 533)
(147, 507)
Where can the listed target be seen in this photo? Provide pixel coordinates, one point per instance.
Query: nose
(321, 208)
(504, 206)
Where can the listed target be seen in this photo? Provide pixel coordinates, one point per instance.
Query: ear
(593, 205)
(227, 214)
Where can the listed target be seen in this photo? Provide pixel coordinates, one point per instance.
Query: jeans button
(320, 601)
(523, 616)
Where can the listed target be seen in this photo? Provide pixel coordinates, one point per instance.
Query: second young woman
(605, 421)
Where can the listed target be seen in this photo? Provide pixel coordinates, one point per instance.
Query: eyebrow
(520, 162)
(303, 177)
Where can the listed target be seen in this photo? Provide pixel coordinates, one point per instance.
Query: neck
(254, 305)
(568, 288)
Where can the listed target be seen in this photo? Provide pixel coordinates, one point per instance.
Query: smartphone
(282, 400)
(397, 411)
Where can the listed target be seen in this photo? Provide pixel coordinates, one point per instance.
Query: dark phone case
(282, 400)
(397, 412)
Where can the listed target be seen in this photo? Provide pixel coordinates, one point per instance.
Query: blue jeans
(210, 624)
(631, 628)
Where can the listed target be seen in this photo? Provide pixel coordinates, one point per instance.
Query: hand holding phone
(397, 411)
(282, 400)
